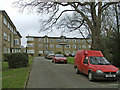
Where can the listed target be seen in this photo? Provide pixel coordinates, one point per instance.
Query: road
(45, 74)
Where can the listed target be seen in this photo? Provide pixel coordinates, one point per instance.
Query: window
(8, 25)
(16, 42)
(74, 46)
(79, 40)
(51, 46)
(46, 47)
(67, 46)
(84, 41)
(8, 38)
(8, 50)
(74, 52)
(67, 40)
(85, 60)
(83, 46)
(40, 39)
(67, 52)
(89, 46)
(57, 40)
(58, 46)
(12, 29)
(15, 32)
(30, 51)
(40, 45)
(5, 36)
(89, 40)
(30, 39)
(40, 52)
(5, 21)
(51, 40)
(30, 45)
(5, 50)
(12, 42)
(79, 47)
(74, 40)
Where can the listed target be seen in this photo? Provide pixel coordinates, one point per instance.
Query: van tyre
(90, 76)
(77, 70)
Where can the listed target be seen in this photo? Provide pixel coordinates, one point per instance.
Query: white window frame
(30, 51)
(30, 39)
(51, 40)
(30, 45)
(51, 45)
(83, 46)
(41, 45)
(67, 46)
(57, 40)
(5, 36)
(40, 39)
(74, 46)
(74, 40)
(79, 40)
(40, 52)
(5, 21)
(89, 46)
(58, 46)
(16, 41)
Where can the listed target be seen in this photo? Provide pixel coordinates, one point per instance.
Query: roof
(8, 18)
(19, 34)
(54, 37)
(91, 52)
(6, 15)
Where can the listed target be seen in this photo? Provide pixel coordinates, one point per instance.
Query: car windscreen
(59, 55)
(98, 61)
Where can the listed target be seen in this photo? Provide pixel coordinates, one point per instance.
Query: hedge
(16, 60)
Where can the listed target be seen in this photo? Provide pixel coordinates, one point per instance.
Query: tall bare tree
(90, 15)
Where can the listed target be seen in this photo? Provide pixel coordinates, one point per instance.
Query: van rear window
(98, 61)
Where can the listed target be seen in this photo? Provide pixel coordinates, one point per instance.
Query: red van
(95, 65)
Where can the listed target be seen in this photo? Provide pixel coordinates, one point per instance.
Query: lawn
(14, 78)
(70, 60)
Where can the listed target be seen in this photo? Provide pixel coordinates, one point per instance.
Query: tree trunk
(96, 40)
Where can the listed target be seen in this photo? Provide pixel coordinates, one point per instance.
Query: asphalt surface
(45, 74)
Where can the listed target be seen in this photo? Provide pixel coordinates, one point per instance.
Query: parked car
(95, 65)
(59, 58)
(49, 56)
(46, 55)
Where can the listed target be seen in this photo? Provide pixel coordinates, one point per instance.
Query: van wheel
(77, 70)
(90, 76)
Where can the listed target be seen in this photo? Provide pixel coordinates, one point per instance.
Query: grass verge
(14, 78)
(70, 60)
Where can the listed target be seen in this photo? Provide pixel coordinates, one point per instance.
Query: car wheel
(65, 62)
(90, 76)
(77, 70)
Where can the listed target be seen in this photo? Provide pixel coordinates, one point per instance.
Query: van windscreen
(98, 61)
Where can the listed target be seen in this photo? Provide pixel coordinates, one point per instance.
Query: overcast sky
(28, 23)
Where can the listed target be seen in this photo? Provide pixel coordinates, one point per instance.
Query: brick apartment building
(40, 45)
(10, 38)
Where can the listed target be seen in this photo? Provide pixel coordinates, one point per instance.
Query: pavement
(45, 74)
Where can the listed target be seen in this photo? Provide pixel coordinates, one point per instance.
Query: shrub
(17, 60)
(6, 57)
